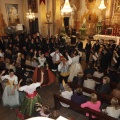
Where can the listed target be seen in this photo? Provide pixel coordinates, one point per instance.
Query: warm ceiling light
(30, 15)
(102, 5)
(66, 8)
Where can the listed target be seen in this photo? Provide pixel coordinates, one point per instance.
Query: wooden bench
(104, 98)
(77, 108)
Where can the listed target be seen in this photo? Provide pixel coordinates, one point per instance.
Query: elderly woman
(105, 88)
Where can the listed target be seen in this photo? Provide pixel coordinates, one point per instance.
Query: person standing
(56, 59)
(10, 94)
(88, 50)
(32, 97)
(63, 68)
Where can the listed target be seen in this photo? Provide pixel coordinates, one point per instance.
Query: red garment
(31, 95)
(48, 77)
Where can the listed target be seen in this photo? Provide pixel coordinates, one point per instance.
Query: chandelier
(30, 15)
(102, 5)
(66, 8)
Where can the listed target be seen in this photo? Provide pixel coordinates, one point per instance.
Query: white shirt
(57, 55)
(89, 83)
(98, 74)
(13, 79)
(42, 61)
(64, 68)
(30, 88)
(113, 112)
(67, 95)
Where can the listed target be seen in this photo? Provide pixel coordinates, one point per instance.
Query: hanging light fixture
(66, 8)
(30, 15)
(102, 5)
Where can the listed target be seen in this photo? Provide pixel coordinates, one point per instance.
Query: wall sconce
(102, 5)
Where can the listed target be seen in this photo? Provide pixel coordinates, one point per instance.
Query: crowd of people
(52, 57)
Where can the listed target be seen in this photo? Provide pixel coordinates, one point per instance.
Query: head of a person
(79, 91)
(93, 98)
(115, 103)
(62, 58)
(42, 55)
(46, 109)
(57, 50)
(89, 76)
(29, 81)
(67, 87)
(106, 80)
(11, 72)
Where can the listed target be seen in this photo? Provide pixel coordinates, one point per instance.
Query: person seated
(89, 83)
(78, 97)
(94, 104)
(98, 73)
(116, 92)
(42, 110)
(67, 93)
(105, 88)
(90, 69)
(114, 109)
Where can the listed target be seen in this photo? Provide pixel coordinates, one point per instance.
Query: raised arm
(2, 73)
(19, 83)
(69, 59)
(42, 73)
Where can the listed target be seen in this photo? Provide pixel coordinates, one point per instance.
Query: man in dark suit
(79, 44)
(88, 50)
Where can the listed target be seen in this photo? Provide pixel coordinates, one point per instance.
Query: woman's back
(111, 111)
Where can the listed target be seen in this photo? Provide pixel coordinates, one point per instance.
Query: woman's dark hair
(79, 91)
(29, 81)
(11, 70)
(89, 76)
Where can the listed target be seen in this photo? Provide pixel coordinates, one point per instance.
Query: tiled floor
(46, 94)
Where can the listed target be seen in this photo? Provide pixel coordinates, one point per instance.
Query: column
(56, 17)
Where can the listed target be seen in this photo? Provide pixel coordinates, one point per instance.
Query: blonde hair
(115, 103)
(67, 87)
(107, 79)
(93, 98)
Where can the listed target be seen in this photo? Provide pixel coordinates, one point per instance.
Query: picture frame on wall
(12, 14)
(33, 5)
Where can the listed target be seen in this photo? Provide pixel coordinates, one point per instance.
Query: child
(42, 110)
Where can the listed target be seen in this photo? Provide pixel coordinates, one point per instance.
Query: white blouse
(30, 88)
(111, 111)
(13, 79)
(42, 61)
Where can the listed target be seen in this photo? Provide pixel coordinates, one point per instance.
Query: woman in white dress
(75, 67)
(10, 94)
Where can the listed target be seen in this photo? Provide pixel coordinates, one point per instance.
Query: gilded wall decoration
(90, 4)
(90, 17)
